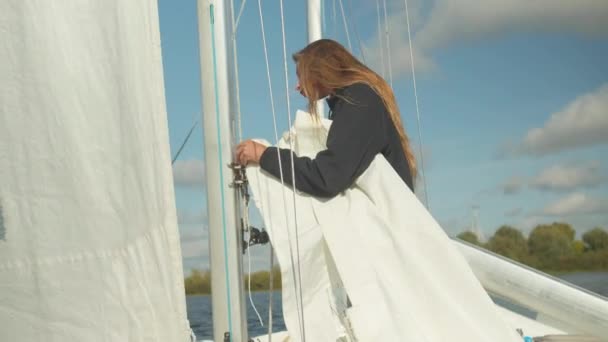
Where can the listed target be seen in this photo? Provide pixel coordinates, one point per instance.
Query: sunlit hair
(326, 65)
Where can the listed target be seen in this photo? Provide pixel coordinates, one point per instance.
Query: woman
(366, 122)
(403, 278)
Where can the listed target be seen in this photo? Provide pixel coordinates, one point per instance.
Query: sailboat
(89, 245)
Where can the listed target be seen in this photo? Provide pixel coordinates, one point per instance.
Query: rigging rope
(345, 26)
(409, 38)
(388, 44)
(276, 133)
(293, 178)
(335, 20)
(276, 139)
(236, 68)
(350, 10)
(184, 143)
(249, 284)
(380, 40)
(271, 288)
(246, 226)
(238, 19)
(245, 207)
(346, 29)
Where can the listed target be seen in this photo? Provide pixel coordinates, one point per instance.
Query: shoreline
(552, 273)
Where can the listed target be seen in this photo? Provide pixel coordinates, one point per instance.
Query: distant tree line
(199, 282)
(551, 248)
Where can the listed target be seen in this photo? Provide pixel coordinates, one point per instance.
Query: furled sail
(374, 264)
(89, 245)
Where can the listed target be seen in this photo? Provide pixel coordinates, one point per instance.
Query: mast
(314, 20)
(315, 32)
(219, 106)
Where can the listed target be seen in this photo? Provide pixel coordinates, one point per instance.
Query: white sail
(377, 243)
(89, 249)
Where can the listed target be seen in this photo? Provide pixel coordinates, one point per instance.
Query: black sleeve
(354, 138)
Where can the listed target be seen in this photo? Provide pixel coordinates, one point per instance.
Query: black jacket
(361, 129)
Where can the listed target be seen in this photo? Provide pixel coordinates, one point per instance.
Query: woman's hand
(249, 151)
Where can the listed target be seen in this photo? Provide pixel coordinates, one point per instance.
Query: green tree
(596, 239)
(565, 229)
(260, 281)
(509, 242)
(276, 278)
(199, 282)
(469, 237)
(578, 247)
(549, 244)
(595, 260)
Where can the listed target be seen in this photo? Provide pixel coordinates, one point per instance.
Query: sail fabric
(89, 249)
(374, 264)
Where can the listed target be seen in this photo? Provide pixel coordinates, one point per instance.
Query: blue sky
(513, 103)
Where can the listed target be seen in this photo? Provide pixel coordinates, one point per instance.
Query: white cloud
(198, 235)
(195, 243)
(189, 217)
(455, 21)
(559, 177)
(580, 223)
(194, 249)
(400, 58)
(189, 173)
(195, 253)
(576, 204)
(194, 233)
(462, 20)
(568, 177)
(584, 122)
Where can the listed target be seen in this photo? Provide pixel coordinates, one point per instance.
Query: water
(593, 281)
(199, 307)
(199, 314)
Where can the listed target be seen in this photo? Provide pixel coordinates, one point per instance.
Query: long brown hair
(326, 64)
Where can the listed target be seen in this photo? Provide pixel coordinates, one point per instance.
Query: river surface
(199, 307)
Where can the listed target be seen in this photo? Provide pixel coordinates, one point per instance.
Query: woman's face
(299, 88)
